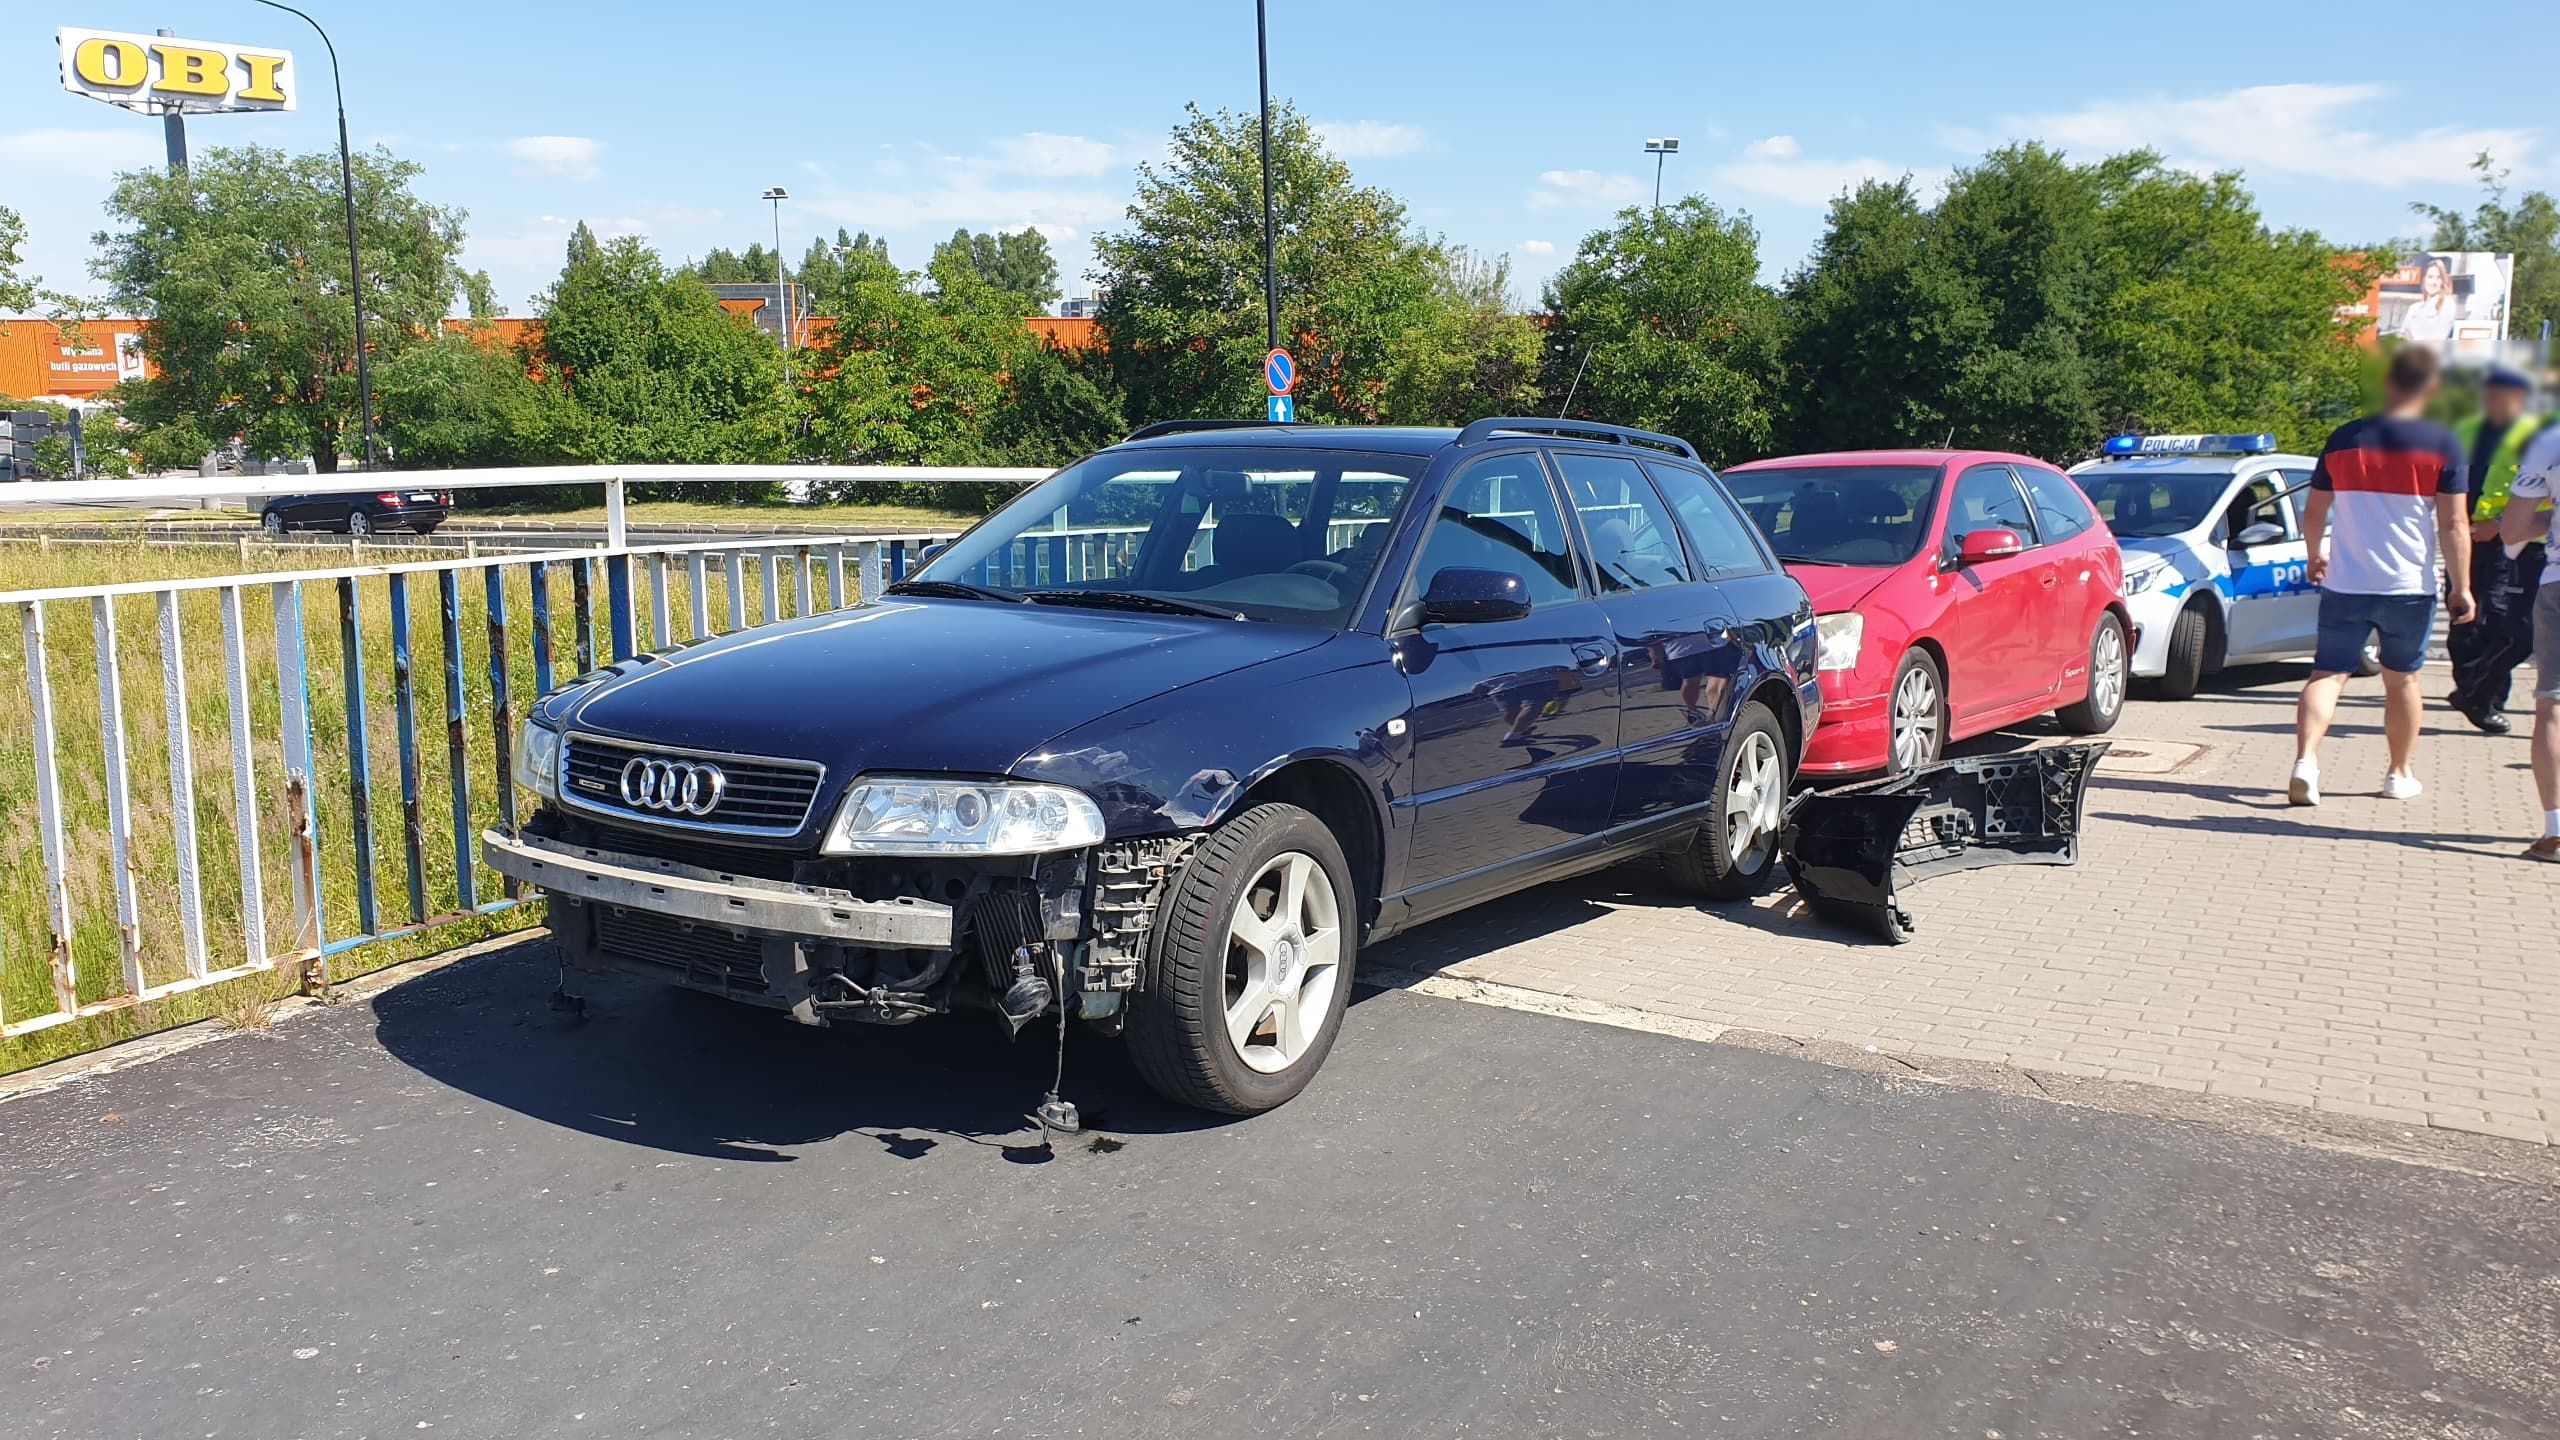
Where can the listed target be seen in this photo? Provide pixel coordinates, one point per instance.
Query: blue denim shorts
(2347, 621)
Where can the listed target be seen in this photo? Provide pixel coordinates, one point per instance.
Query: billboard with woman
(2454, 302)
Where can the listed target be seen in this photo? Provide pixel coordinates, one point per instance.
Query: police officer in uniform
(2486, 652)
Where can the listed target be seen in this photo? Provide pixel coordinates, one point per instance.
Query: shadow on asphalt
(696, 1075)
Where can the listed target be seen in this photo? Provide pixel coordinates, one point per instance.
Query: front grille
(696, 955)
(767, 796)
(688, 850)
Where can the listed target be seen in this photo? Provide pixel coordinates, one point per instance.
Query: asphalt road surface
(449, 1211)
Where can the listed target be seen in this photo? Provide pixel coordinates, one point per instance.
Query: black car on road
(1165, 742)
(357, 512)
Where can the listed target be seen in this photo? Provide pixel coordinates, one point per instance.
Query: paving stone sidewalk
(2386, 959)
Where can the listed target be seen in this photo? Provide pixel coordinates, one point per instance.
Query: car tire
(425, 527)
(1196, 1033)
(359, 523)
(272, 522)
(2369, 662)
(2109, 664)
(1736, 851)
(2190, 637)
(1915, 703)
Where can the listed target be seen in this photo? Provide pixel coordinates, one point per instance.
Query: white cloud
(562, 157)
(1038, 153)
(2267, 130)
(1537, 247)
(1777, 166)
(1371, 139)
(1560, 188)
(84, 153)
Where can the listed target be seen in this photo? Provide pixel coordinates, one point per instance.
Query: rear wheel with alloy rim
(1737, 849)
(1252, 965)
(2097, 714)
(1919, 713)
(359, 523)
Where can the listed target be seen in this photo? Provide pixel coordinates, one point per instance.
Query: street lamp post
(781, 285)
(1661, 149)
(1270, 254)
(355, 260)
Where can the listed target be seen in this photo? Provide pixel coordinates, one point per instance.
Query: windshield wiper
(1132, 600)
(954, 590)
(1808, 560)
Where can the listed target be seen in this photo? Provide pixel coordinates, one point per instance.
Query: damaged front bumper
(1852, 850)
(832, 939)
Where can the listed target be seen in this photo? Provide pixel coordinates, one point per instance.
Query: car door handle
(1593, 659)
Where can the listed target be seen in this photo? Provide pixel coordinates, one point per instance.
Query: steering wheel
(1328, 571)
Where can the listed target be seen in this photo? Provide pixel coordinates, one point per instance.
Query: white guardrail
(139, 887)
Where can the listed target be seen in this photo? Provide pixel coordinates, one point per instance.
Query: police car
(2215, 569)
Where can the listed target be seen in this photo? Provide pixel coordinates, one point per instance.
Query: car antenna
(1567, 406)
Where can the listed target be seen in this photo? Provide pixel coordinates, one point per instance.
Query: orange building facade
(40, 359)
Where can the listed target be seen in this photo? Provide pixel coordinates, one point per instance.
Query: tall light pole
(355, 260)
(1661, 149)
(781, 288)
(1270, 252)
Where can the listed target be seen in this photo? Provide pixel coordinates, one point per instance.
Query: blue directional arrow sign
(1283, 410)
(1279, 372)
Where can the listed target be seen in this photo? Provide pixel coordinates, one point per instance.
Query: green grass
(25, 985)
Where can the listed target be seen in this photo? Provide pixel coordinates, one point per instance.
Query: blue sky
(1507, 127)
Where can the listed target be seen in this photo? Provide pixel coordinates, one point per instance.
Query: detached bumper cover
(708, 897)
(1851, 851)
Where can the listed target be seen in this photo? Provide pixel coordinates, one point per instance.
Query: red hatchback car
(1957, 592)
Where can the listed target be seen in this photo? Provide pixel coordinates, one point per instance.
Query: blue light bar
(2261, 443)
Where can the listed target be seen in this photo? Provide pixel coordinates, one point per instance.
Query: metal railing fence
(137, 884)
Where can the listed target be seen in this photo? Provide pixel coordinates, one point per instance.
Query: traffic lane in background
(450, 1207)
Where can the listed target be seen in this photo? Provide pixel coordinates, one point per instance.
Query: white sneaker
(2396, 786)
(2305, 789)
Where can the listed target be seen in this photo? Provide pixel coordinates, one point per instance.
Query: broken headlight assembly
(934, 815)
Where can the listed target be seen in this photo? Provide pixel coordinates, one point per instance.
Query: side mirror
(2261, 533)
(933, 551)
(1994, 544)
(1462, 596)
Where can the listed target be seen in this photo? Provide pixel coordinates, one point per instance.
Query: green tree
(467, 398)
(1661, 322)
(1018, 263)
(1183, 315)
(239, 263)
(1864, 342)
(18, 291)
(826, 269)
(653, 370)
(1471, 353)
(2529, 230)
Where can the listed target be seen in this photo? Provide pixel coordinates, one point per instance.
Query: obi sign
(158, 75)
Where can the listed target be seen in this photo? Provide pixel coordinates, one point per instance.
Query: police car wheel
(2190, 636)
(2108, 664)
(2369, 664)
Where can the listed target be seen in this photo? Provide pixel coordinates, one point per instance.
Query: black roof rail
(1186, 427)
(1493, 425)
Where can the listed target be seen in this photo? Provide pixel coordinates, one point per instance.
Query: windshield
(2152, 502)
(1840, 514)
(1266, 533)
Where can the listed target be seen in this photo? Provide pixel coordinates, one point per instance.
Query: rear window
(1840, 514)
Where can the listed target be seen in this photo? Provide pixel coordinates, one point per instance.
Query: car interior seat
(1253, 543)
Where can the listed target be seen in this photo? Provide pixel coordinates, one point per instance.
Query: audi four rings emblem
(672, 787)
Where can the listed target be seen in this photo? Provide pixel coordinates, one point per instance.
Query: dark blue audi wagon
(1166, 741)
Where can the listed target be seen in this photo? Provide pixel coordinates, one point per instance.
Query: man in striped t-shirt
(2386, 508)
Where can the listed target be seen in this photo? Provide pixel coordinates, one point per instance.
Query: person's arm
(2315, 531)
(2523, 521)
(2453, 538)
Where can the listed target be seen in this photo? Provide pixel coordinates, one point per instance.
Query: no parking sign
(1279, 376)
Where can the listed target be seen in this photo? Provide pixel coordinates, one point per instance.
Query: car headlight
(2149, 578)
(538, 759)
(924, 815)
(1841, 635)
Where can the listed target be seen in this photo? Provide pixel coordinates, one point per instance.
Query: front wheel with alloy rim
(1919, 713)
(272, 522)
(1737, 849)
(2097, 714)
(1252, 965)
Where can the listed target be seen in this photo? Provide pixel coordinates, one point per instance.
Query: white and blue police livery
(2216, 572)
